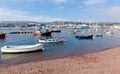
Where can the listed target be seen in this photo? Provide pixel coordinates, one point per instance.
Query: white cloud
(13, 15)
(54, 1)
(108, 14)
(20, 0)
(112, 11)
(61, 7)
(93, 2)
(60, 1)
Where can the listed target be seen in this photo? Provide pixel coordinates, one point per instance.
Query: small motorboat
(109, 32)
(2, 35)
(98, 35)
(56, 30)
(71, 32)
(84, 36)
(21, 48)
(52, 40)
(48, 33)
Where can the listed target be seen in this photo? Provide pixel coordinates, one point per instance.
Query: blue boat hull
(84, 37)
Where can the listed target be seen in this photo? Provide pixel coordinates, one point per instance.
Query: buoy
(65, 40)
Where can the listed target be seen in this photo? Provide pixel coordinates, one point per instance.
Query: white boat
(21, 48)
(109, 32)
(98, 35)
(56, 30)
(72, 32)
(52, 40)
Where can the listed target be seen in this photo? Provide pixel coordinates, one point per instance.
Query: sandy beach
(104, 62)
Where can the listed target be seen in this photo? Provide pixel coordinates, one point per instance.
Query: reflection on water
(54, 44)
(23, 55)
(72, 47)
(2, 41)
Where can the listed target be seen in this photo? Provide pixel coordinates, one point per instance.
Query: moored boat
(48, 33)
(71, 32)
(109, 32)
(84, 36)
(56, 30)
(36, 33)
(52, 40)
(98, 35)
(21, 48)
(2, 35)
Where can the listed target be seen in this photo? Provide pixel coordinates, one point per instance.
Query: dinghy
(21, 48)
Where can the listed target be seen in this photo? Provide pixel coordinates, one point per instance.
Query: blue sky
(60, 10)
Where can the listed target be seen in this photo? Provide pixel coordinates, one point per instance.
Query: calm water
(72, 47)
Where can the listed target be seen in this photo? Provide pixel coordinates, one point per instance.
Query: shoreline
(103, 62)
(11, 62)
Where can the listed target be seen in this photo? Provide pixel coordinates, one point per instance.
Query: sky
(60, 10)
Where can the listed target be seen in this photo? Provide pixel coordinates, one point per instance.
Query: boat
(109, 32)
(84, 36)
(48, 33)
(56, 30)
(71, 32)
(52, 40)
(21, 48)
(2, 35)
(36, 33)
(98, 35)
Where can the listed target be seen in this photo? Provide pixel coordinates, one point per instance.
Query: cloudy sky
(60, 10)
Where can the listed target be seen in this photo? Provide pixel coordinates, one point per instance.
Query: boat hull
(22, 49)
(54, 40)
(85, 37)
(98, 35)
(47, 33)
(56, 30)
(3, 36)
(71, 32)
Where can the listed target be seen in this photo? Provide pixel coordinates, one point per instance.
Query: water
(72, 47)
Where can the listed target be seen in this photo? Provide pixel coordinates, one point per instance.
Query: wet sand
(104, 62)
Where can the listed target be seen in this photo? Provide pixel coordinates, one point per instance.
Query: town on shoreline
(58, 24)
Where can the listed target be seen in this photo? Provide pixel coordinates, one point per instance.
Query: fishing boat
(52, 40)
(84, 36)
(48, 33)
(21, 48)
(2, 35)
